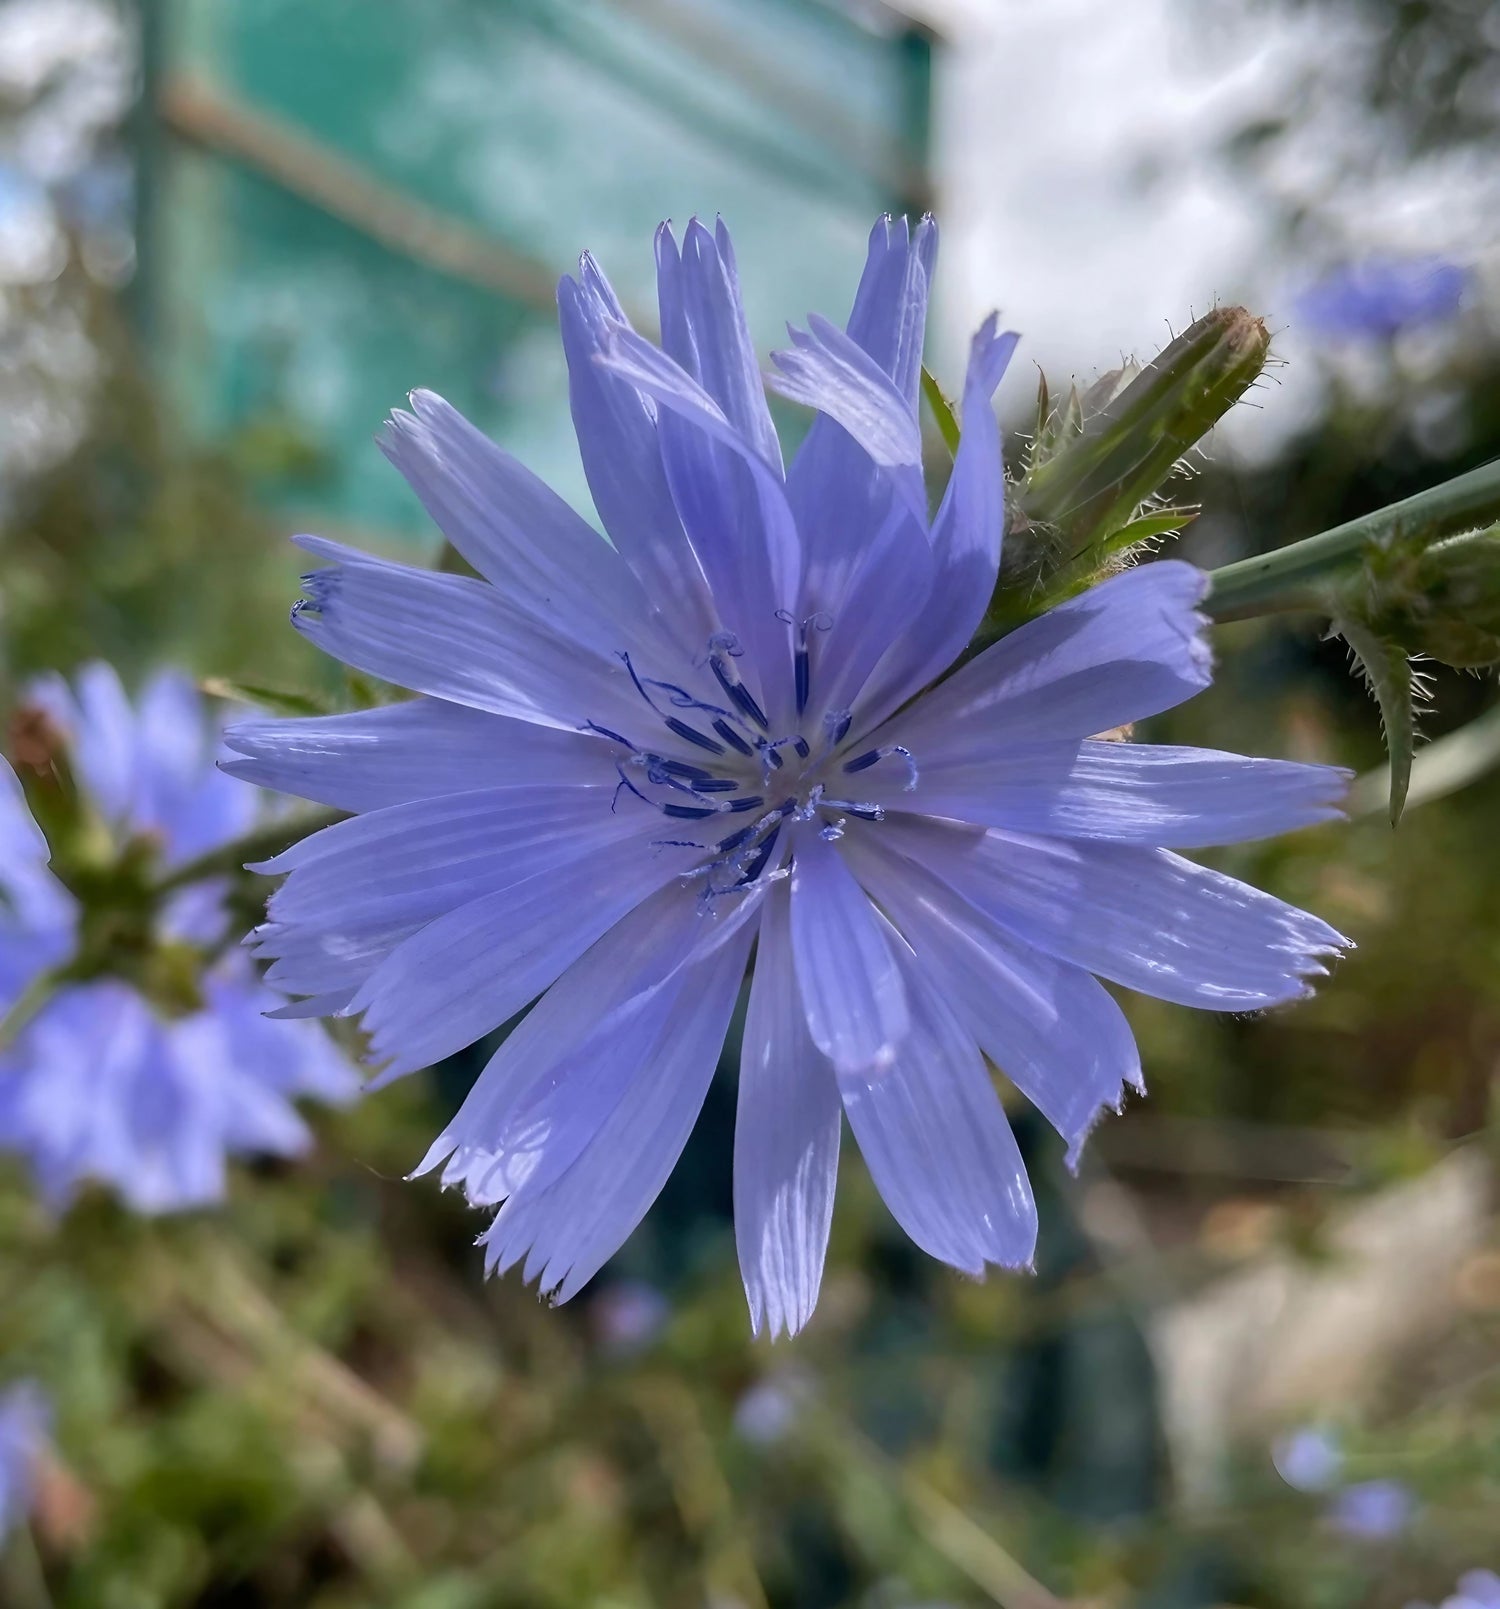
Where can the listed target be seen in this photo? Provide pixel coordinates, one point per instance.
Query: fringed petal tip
(1135, 1081)
(782, 1326)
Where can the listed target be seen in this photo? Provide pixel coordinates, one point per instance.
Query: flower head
(631, 764)
(24, 1419)
(149, 1058)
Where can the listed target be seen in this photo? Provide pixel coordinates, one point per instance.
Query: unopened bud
(1112, 449)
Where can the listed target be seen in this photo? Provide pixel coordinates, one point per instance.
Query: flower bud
(1098, 457)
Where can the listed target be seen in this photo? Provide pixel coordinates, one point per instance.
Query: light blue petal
(25, 1417)
(883, 604)
(557, 1077)
(1145, 918)
(786, 1140)
(358, 889)
(1052, 1029)
(101, 730)
(469, 970)
(292, 1059)
(838, 496)
(459, 639)
(734, 509)
(37, 914)
(966, 535)
(827, 370)
(181, 796)
(851, 986)
(397, 753)
(617, 439)
(936, 1141)
(704, 330)
(248, 1115)
(569, 1231)
(515, 530)
(1131, 647)
(1134, 793)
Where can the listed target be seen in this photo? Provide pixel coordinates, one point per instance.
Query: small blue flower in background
(105, 1083)
(1477, 1589)
(1373, 1510)
(769, 1410)
(24, 1419)
(1381, 296)
(1310, 1460)
(628, 1316)
(629, 765)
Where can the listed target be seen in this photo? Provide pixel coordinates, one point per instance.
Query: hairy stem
(1291, 577)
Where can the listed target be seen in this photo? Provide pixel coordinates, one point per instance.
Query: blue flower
(630, 764)
(1308, 1459)
(23, 1431)
(1381, 296)
(108, 1081)
(1477, 1589)
(1373, 1510)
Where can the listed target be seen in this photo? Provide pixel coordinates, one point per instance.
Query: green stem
(28, 1003)
(261, 844)
(1291, 577)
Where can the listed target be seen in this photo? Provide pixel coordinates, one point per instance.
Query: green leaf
(1396, 689)
(942, 410)
(277, 700)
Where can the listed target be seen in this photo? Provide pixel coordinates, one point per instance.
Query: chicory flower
(632, 762)
(150, 1058)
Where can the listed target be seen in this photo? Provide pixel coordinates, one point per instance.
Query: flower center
(742, 769)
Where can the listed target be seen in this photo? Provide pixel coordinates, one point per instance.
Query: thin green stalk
(28, 1003)
(261, 844)
(1291, 577)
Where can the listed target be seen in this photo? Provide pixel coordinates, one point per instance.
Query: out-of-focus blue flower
(631, 763)
(628, 1316)
(766, 1413)
(1308, 1459)
(1477, 1589)
(1373, 1510)
(1381, 296)
(105, 1082)
(24, 1419)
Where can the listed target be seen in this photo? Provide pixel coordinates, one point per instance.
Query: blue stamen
(640, 686)
(687, 812)
(801, 746)
(757, 862)
(804, 678)
(683, 730)
(750, 802)
(731, 737)
(746, 701)
(865, 761)
(614, 737)
(715, 785)
(838, 723)
(735, 839)
(625, 782)
(680, 768)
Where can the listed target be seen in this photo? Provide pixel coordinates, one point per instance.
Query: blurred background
(1259, 1363)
